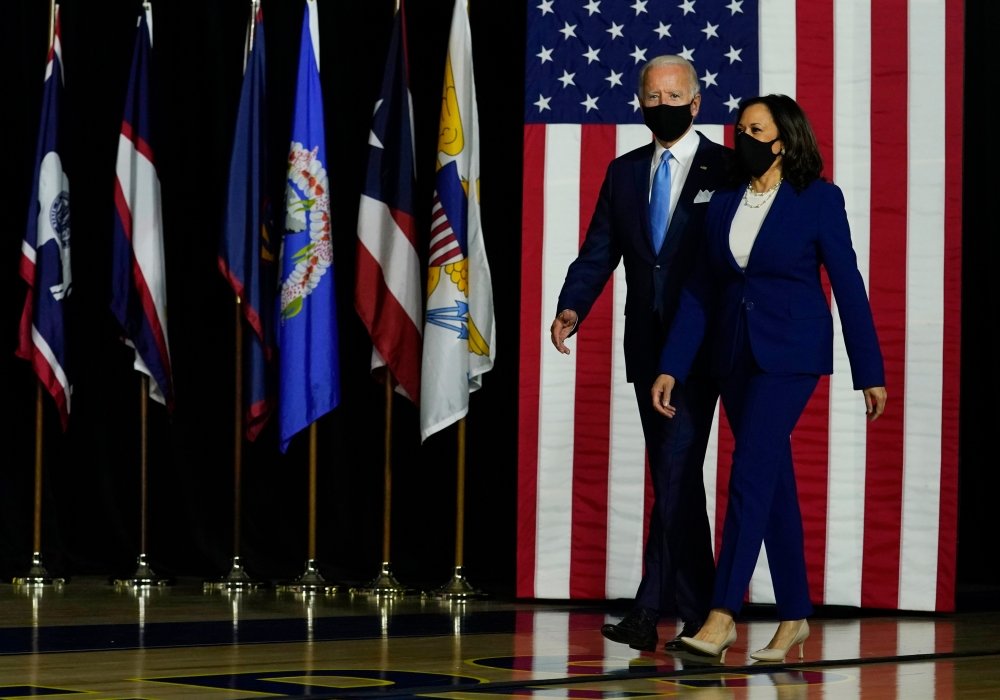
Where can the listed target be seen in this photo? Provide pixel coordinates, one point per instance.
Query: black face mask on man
(754, 156)
(668, 122)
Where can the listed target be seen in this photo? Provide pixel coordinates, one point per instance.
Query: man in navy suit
(678, 562)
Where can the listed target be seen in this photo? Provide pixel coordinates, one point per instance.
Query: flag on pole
(387, 290)
(459, 333)
(246, 257)
(309, 376)
(879, 503)
(138, 275)
(45, 250)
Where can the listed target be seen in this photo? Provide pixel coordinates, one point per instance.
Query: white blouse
(746, 224)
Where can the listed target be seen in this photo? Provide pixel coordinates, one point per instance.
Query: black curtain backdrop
(91, 477)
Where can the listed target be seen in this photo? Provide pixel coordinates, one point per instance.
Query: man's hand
(875, 397)
(662, 388)
(562, 326)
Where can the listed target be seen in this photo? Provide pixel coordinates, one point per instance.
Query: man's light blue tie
(659, 201)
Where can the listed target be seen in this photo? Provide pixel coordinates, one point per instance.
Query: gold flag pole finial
(53, 8)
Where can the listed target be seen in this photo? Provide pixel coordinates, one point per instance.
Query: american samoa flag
(387, 292)
(138, 273)
(880, 503)
(459, 334)
(45, 250)
(309, 372)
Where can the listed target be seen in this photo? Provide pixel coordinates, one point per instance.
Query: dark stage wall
(91, 504)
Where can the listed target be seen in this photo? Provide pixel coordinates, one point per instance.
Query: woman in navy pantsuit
(757, 300)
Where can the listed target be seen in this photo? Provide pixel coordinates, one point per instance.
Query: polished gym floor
(99, 639)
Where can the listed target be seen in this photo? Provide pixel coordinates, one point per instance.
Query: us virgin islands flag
(309, 384)
(45, 259)
(458, 323)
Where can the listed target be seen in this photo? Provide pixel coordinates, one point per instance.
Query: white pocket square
(703, 196)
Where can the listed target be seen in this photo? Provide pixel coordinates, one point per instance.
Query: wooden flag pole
(144, 575)
(458, 588)
(143, 452)
(237, 578)
(385, 583)
(237, 428)
(387, 471)
(312, 491)
(37, 574)
(39, 427)
(311, 580)
(460, 498)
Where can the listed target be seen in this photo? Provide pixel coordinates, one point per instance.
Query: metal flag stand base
(144, 577)
(37, 575)
(385, 584)
(458, 588)
(236, 580)
(311, 581)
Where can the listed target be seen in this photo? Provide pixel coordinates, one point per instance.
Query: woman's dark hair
(801, 162)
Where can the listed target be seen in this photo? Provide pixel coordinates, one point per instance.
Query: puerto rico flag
(138, 275)
(879, 503)
(387, 293)
(45, 250)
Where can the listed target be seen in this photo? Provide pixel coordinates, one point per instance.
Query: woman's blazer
(780, 296)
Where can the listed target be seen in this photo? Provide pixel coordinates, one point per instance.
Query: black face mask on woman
(754, 156)
(668, 122)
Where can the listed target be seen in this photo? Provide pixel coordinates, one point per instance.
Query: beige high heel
(710, 649)
(778, 654)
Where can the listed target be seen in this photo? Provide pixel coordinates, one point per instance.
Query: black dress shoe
(690, 629)
(637, 629)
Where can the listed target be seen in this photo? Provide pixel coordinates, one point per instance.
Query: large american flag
(882, 86)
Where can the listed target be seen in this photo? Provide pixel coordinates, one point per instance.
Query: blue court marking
(29, 640)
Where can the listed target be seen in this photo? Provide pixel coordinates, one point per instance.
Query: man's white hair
(670, 60)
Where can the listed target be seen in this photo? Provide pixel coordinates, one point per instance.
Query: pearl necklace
(759, 198)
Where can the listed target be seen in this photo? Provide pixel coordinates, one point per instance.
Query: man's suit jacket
(779, 296)
(619, 230)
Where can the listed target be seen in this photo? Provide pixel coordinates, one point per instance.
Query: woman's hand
(662, 388)
(875, 397)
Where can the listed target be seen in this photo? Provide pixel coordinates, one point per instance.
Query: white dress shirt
(683, 152)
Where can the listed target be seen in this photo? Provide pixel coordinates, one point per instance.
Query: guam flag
(245, 251)
(45, 259)
(387, 292)
(138, 277)
(309, 379)
(458, 325)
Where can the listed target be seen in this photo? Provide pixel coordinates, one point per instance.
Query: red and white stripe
(388, 297)
(137, 201)
(881, 84)
(444, 247)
